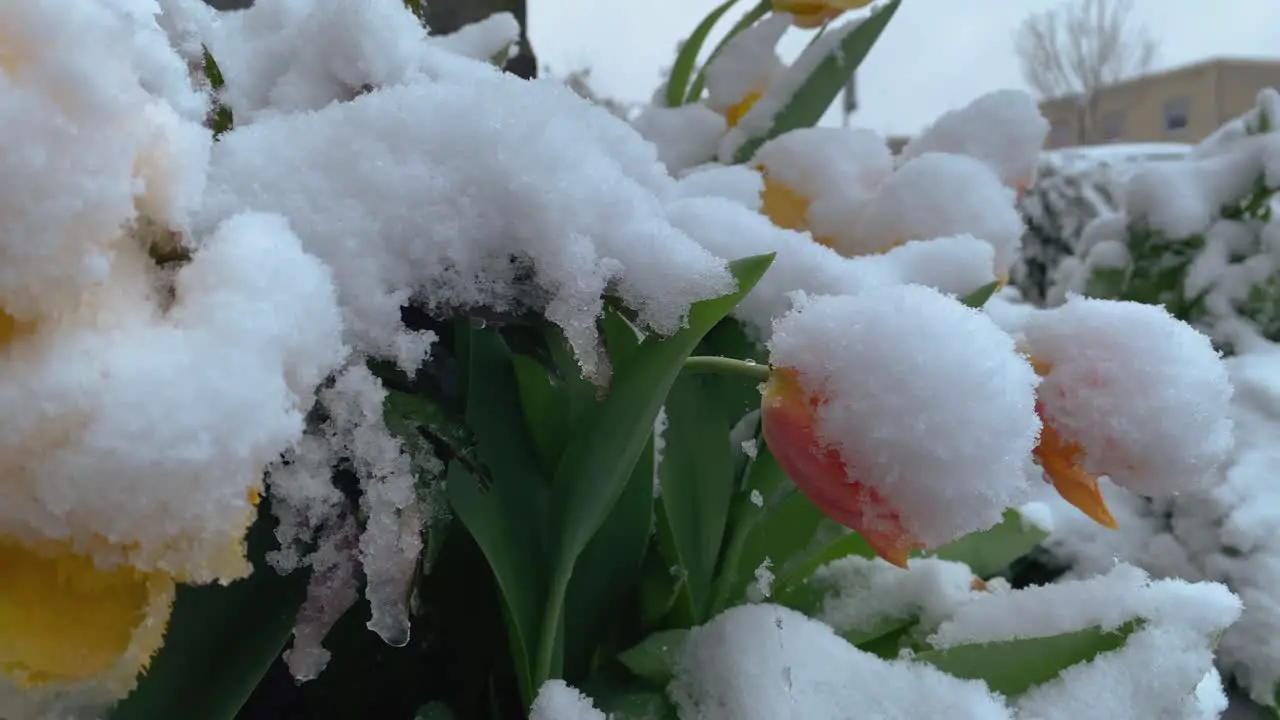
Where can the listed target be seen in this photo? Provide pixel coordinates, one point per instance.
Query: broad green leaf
(769, 521)
(697, 484)
(687, 58)
(991, 551)
(812, 99)
(846, 544)
(1012, 667)
(546, 410)
(979, 297)
(508, 521)
(655, 658)
(435, 711)
(609, 569)
(606, 444)
(736, 396)
(760, 9)
(628, 698)
(221, 640)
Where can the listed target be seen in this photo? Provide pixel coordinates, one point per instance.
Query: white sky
(935, 55)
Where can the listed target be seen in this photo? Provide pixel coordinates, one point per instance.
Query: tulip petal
(822, 475)
(1060, 461)
(63, 619)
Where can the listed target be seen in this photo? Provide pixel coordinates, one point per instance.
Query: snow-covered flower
(906, 444)
(815, 13)
(1129, 392)
(745, 68)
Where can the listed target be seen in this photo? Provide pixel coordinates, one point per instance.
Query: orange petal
(1061, 462)
(821, 474)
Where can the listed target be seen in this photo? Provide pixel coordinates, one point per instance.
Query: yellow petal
(785, 207)
(734, 114)
(63, 620)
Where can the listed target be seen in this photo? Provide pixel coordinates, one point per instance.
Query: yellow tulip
(815, 13)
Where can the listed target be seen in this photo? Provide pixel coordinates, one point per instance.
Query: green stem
(723, 585)
(727, 366)
(550, 629)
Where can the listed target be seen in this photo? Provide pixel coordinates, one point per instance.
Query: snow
(558, 700)
(862, 593)
(763, 662)
(942, 437)
(1003, 129)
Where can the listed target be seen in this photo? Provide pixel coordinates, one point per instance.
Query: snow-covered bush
(1072, 188)
(303, 304)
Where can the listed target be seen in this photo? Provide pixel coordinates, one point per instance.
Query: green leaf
(546, 410)
(812, 99)
(991, 551)
(608, 569)
(687, 58)
(628, 698)
(979, 297)
(221, 640)
(697, 485)
(605, 446)
(435, 711)
(761, 9)
(1012, 667)
(655, 658)
(508, 521)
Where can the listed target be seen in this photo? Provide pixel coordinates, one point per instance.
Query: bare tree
(1079, 48)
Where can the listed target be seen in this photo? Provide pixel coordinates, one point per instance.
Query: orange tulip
(820, 472)
(1061, 460)
(815, 13)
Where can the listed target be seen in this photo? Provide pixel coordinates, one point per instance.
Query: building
(1180, 105)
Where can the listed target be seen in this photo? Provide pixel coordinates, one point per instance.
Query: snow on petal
(1004, 129)
(1145, 395)
(405, 210)
(938, 195)
(926, 401)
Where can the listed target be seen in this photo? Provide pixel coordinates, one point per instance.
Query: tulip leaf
(508, 520)
(811, 100)
(1011, 667)
(435, 711)
(687, 58)
(600, 457)
(979, 297)
(991, 551)
(655, 658)
(697, 479)
(221, 640)
(622, 697)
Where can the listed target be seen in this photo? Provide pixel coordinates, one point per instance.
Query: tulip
(788, 420)
(815, 13)
(1061, 461)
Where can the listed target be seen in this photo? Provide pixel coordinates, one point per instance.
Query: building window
(1111, 127)
(1061, 134)
(1176, 114)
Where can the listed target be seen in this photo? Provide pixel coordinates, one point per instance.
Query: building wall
(1181, 105)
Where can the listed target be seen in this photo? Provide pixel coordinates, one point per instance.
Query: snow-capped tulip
(909, 446)
(69, 627)
(1061, 461)
(744, 69)
(815, 13)
(1129, 392)
(789, 419)
(819, 179)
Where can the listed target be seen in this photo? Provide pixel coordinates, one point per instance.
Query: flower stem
(727, 366)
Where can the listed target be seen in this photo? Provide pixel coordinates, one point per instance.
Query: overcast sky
(935, 55)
